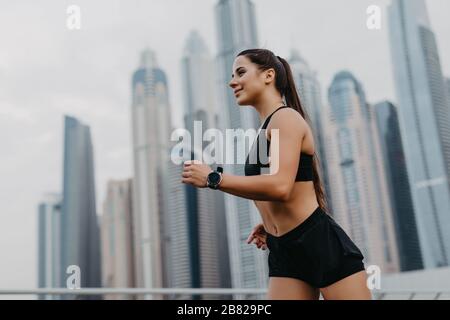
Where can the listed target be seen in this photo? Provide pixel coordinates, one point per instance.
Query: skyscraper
(309, 91)
(358, 186)
(410, 257)
(182, 262)
(199, 90)
(205, 208)
(424, 124)
(80, 241)
(151, 128)
(197, 256)
(117, 237)
(49, 238)
(236, 31)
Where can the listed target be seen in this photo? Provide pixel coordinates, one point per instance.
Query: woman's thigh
(353, 287)
(281, 288)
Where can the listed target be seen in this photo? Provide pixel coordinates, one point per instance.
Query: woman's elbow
(283, 192)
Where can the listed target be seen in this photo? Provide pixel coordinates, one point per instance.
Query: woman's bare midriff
(280, 217)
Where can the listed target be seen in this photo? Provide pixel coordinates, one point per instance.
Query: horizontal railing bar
(187, 291)
(410, 291)
(89, 291)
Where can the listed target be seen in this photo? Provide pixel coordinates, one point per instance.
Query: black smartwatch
(214, 178)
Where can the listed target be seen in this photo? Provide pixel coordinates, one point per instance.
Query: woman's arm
(276, 186)
(264, 187)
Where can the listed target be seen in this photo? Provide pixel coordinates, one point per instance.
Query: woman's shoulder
(287, 117)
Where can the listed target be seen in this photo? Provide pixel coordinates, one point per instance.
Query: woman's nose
(232, 83)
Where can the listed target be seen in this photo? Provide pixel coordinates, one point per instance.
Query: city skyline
(113, 157)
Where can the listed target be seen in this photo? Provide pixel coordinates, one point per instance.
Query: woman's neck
(267, 104)
(268, 107)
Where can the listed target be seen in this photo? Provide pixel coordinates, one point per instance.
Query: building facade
(424, 123)
(151, 127)
(358, 188)
(393, 158)
(80, 240)
(49, 238)
(117, 237)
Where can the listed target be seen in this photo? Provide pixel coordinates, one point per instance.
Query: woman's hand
(258, 236)
(195, 173)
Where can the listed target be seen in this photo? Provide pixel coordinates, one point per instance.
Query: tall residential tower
(236, 31)
(151, 128)
(359, 191)
(425, 125)
(80, 240)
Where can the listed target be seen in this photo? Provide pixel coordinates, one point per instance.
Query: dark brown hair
(284, 82)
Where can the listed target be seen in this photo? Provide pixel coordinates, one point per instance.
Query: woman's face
(247, 81)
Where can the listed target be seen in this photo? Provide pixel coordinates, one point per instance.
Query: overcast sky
(47, 71)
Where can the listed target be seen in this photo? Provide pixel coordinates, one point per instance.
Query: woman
(309, 253)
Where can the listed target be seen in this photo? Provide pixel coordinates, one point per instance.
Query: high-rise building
(183, 268)
(49, 238)
(199, 90)
(388, 130)
(151, 126)
(205, 209)
(309, 91)
(197, 256)
(358, 186)
(236, 31)
(424, 123)
(117, 237)
(80, 241)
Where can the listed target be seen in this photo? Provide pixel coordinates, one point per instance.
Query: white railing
(101, 291)
(411, 295)
(170, 293)
(242, 293)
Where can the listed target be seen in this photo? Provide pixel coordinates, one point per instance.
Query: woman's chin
(241, 102)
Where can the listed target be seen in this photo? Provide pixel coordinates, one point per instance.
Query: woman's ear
(269, 75)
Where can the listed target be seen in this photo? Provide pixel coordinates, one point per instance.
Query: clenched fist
(195, 173)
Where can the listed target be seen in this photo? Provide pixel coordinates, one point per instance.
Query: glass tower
(424, 123)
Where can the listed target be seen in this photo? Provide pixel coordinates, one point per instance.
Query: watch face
(214, 178)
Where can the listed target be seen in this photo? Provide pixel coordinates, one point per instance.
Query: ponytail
(293, 101)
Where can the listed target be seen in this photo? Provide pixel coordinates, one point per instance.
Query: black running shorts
(318, 251)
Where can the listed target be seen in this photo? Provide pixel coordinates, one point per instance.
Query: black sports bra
(305, 167)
